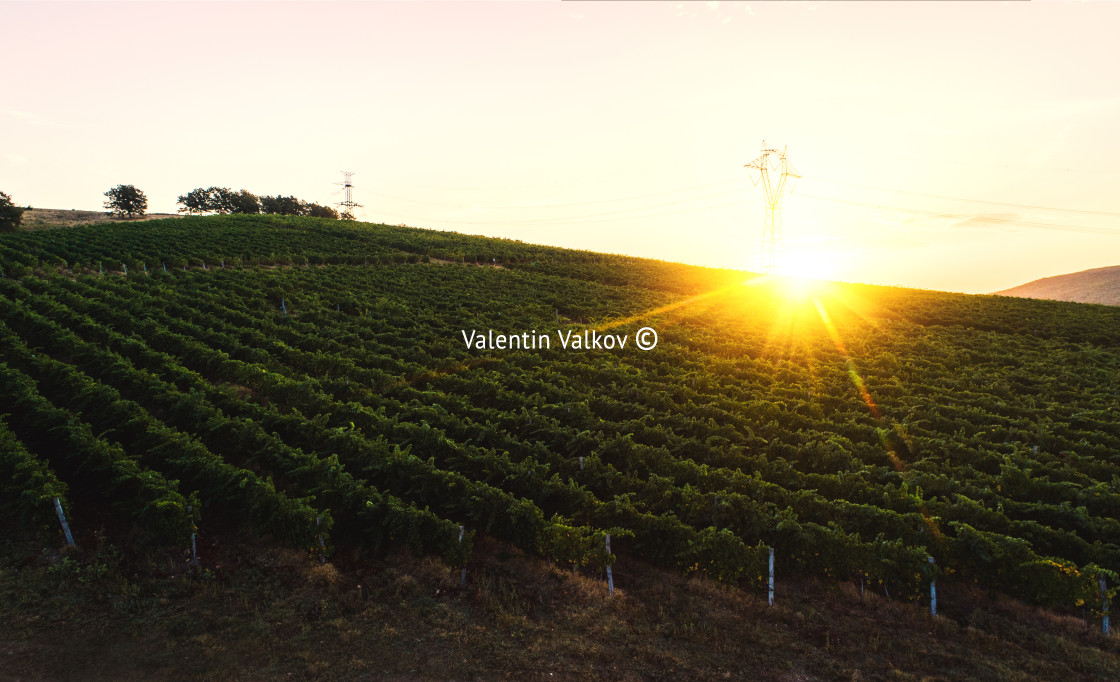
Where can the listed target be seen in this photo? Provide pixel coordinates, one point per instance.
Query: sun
(804, 264)
(796, 289)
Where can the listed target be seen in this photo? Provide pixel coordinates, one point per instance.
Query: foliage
(126, 201)
(10, 214)
(317, 211)
(196, 201)
(281, 205)
(220, 200)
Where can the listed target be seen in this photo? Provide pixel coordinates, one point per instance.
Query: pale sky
(619, 127)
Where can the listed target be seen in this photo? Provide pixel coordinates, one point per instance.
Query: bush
(10, 214)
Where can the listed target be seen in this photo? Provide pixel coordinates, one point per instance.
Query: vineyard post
(203, 265)
(66, 526)
(284, 306)
(581, 463)
(322, 545)
(194, 541)
(932, 590)
(223, 263)
(164, 265)
(1104, 604)
(124, 266)
(771, 597)
(100, 272)
(463, 571)
(610, 578)
(145, 268)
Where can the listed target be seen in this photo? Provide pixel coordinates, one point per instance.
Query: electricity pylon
(772, 163)
(347, 205)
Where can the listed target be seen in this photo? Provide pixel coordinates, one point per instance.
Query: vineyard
(309, 379)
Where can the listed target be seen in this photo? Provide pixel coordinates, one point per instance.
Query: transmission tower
(347, 204)
(775, 171)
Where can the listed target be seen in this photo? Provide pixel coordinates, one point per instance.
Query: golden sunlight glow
(797, 289)
(805, 264)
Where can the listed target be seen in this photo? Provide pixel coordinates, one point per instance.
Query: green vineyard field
(310, 378)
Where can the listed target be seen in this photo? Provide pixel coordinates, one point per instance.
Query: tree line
(223, 200)
(128, 201)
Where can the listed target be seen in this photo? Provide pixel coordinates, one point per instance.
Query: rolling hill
(381, 397)
(1099, 285)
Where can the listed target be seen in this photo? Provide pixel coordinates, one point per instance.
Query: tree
(10, 214)
(245, 202)
(220, 200)
(126, 201)
(195, 201)
(281, 205)
(317, 211)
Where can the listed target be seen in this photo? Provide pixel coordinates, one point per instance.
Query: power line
(659, 214)
(954, 161)
(566, 205)
(589, 217)
(964, 217)
(976, 201)
(639, 212)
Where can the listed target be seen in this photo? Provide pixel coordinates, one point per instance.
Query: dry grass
(50, 218)
(268, 613)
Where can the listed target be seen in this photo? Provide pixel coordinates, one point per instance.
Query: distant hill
(1099, 285)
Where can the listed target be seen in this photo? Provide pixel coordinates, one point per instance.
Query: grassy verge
(255, 612)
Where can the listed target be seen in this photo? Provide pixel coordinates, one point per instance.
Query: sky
(955, 146)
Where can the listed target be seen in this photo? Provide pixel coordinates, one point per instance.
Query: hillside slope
(1099, 285)
(335, 389)
(50, 218)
